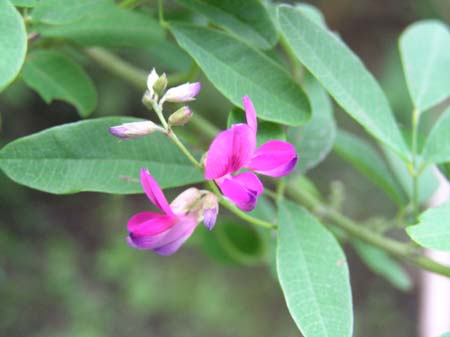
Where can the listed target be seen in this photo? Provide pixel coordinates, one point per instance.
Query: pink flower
(235, 149)
(165, 232)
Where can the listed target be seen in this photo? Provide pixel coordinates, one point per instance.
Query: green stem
(395, 248)
(162, 22)
(117, 66)
(415, 173)
(233, 209)
(181, 146)
(297, 69)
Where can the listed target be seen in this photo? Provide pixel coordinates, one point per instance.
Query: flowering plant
(280, 127)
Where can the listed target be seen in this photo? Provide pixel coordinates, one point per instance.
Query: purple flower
(235, 149)
(164, 233)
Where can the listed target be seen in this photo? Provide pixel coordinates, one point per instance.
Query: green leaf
(236, 70)
(368, 162)
(312, 12)
(383, 265)
(313, 274)
(54, 76)
(433, 230)
(247, 20)
(113, 27)
(59, 12)
(343, 75)
(437, 146)
(24, 3)
(83, 156)
(428, 183)
(315, 139)
(13, 43)
(231, 242)
(425, 52)
(266, 130)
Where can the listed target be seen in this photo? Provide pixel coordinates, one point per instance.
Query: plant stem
(415, 172)
(243, 215)
(400, 250)
(119, 67)
(162, 22)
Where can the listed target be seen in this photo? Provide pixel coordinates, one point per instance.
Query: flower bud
(151, 80)
(210, 209)
(134, 129)
(160, 85)
(183, 93)
(180, 117)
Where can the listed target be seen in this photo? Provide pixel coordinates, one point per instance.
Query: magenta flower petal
(168, 241)
(250, 113)
(274, 158)
(154, 192)
(242, 189)
(149, 223)
(230, 151)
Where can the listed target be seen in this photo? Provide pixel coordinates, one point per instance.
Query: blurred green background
(65, 269)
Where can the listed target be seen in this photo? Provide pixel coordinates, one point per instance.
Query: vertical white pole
(434, 311)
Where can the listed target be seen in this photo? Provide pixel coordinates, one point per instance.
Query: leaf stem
(241, 214)
(415, 172)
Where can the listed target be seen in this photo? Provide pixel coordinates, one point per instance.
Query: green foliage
(231, 242)
(437, 146)
(54, 76)
(315, 139)
(236, 70)
(427, 181)
(433, 230)
(24, 3)
(248, 20)
(383, 265)
(368, 162)
(13, 43)
(313, 274)
(110, 27)
(83, 156)
(425, 52)
(343, 75)
(60, 12)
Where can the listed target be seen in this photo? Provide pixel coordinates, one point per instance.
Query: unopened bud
(160, 85)
(210, 210)
(181, 116)
(151, 80)
(183, 93)
(134, 129)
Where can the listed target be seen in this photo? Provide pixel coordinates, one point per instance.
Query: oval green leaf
(13, 43)
(433, 230)
(236, 69)
(437, 146)
(247, 20)
(313, 274)
(315, 139)
(84, 156)
(343, 75)
(54, 76)
(60, 12)
(425, 53)
(368, 162)
(111, 27)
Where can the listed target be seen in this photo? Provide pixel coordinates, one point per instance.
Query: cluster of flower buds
(154, 98)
